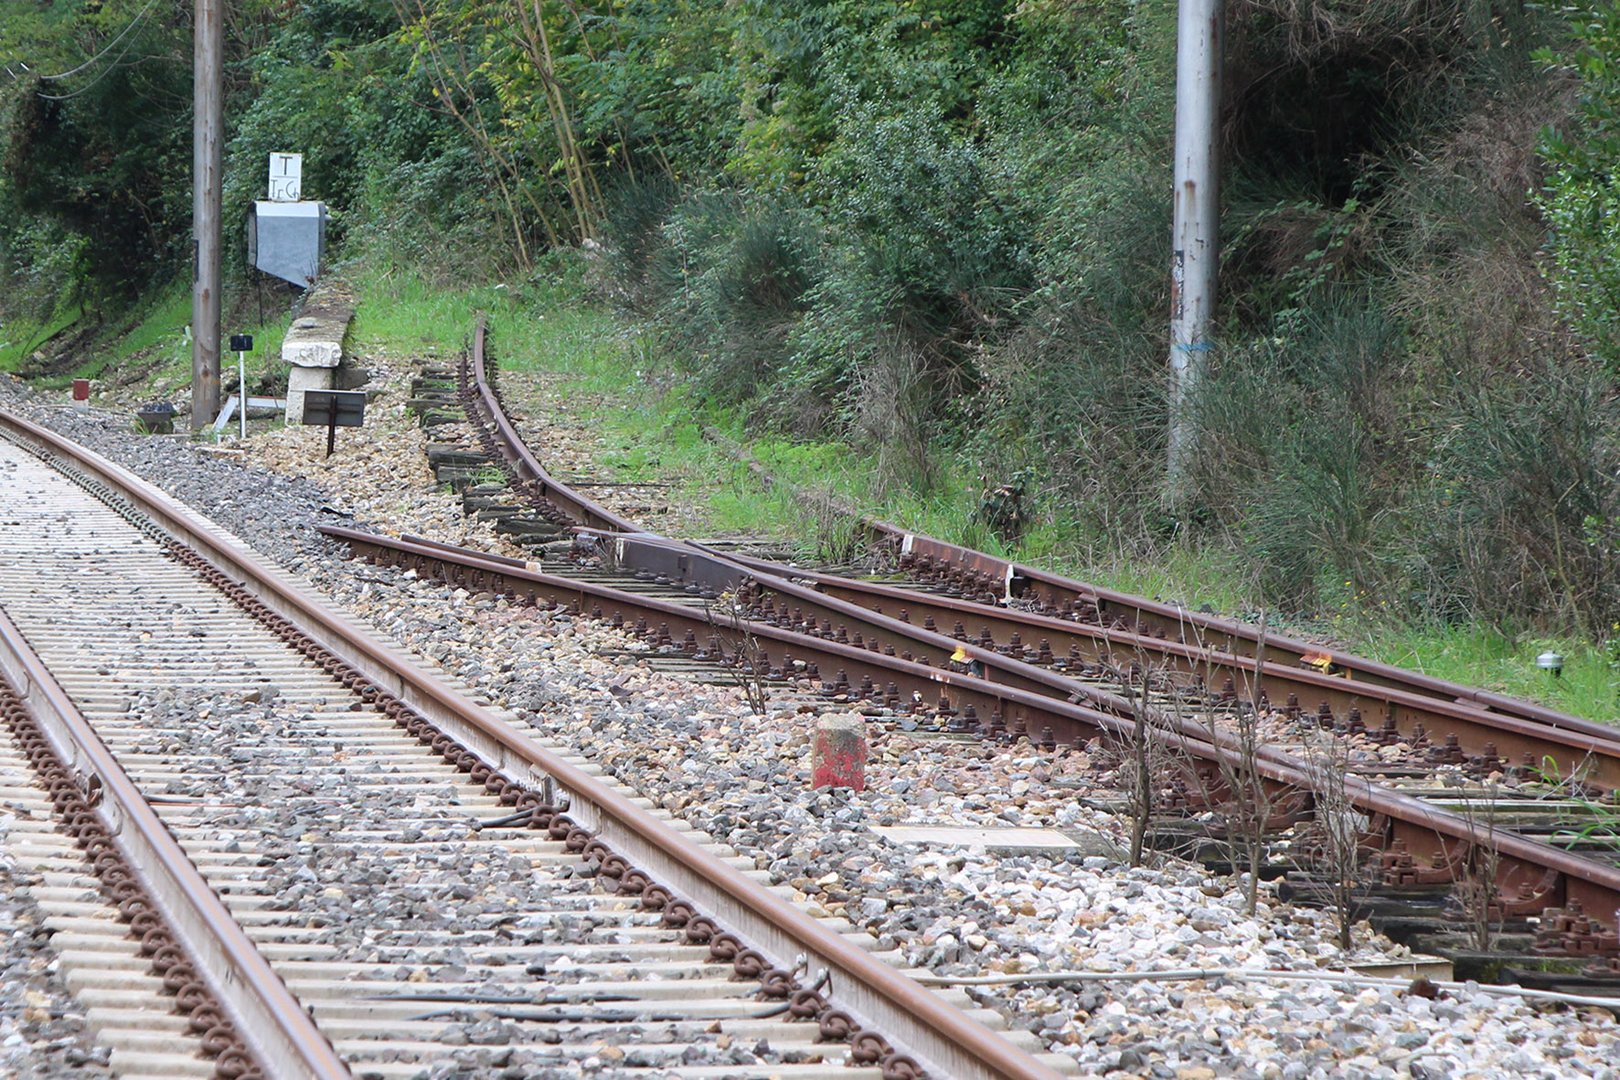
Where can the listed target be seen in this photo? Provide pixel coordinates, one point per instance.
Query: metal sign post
(241, 345)
(334, 409)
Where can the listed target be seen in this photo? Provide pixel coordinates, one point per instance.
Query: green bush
(1523, 496)
(730, 278)
(1582, 195)
(1295, 460)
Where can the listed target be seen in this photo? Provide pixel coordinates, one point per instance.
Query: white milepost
(286, 177)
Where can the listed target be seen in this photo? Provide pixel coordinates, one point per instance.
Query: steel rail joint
(269, 1019)
(916, 1019)
(854, 656)
(1011, 671)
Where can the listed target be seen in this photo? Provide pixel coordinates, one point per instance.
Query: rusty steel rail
(862, 629)
(893, 614)
(1577, 748)
(998, 582)
(1483, 724)
(690, 628)
(917, 1020)
(1477, 718)
(528, 474)
(269, 1020)
(1006, 580)
(1531, 876)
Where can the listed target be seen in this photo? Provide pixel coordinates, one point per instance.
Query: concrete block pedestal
(300, 379)
(313, 349)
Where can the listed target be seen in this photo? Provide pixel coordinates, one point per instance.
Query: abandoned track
(375, 844)
(1057, 661)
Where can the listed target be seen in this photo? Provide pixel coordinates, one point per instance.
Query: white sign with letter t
(286, 177)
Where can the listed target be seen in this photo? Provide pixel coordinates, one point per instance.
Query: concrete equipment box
(287, 239)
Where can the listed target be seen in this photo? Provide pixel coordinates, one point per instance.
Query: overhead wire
(122, 34)
(112, 66)
(91, 85)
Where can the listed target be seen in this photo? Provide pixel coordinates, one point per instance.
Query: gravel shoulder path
(699, 751)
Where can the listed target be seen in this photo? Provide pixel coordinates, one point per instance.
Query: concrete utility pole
(207, 134)
(1200, 45)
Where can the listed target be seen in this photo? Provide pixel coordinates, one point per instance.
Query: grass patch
(1506, 664)
(1200, 579)
(403, 312)
(535, 326)
(152, 338)
(159, 341)
(157, 327)
(19, 338)
(148, 345)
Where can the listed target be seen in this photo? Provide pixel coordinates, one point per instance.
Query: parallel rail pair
(918, 1027)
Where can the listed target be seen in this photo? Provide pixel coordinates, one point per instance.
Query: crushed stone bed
(699, 751)
(43, 1030)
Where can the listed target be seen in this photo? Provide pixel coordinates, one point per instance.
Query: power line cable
(91, 85)
(122, 34)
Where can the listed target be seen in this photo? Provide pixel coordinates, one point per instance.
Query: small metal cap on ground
(156, 418)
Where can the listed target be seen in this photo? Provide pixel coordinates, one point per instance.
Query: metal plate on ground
(1001, 841)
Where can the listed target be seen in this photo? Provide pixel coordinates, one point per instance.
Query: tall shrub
(1581, 198)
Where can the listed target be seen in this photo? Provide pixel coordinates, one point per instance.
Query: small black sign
(241, 343)
(334, 408)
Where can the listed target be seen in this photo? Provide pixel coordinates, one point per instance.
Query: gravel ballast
(42, 1029)
(699, 751)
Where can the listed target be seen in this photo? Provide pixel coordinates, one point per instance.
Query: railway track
(1024, 614)
(992, 581)
(973, 644)
(334, 863)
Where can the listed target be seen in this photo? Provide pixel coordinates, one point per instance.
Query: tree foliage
(940, 228)
(1581, 198)
(97, 122)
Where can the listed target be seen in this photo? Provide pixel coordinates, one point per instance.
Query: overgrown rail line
(990, 581)
(1064, 625)
(985, 645)
(686, 943)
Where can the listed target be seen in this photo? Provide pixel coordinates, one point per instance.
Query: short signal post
(241, 345)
